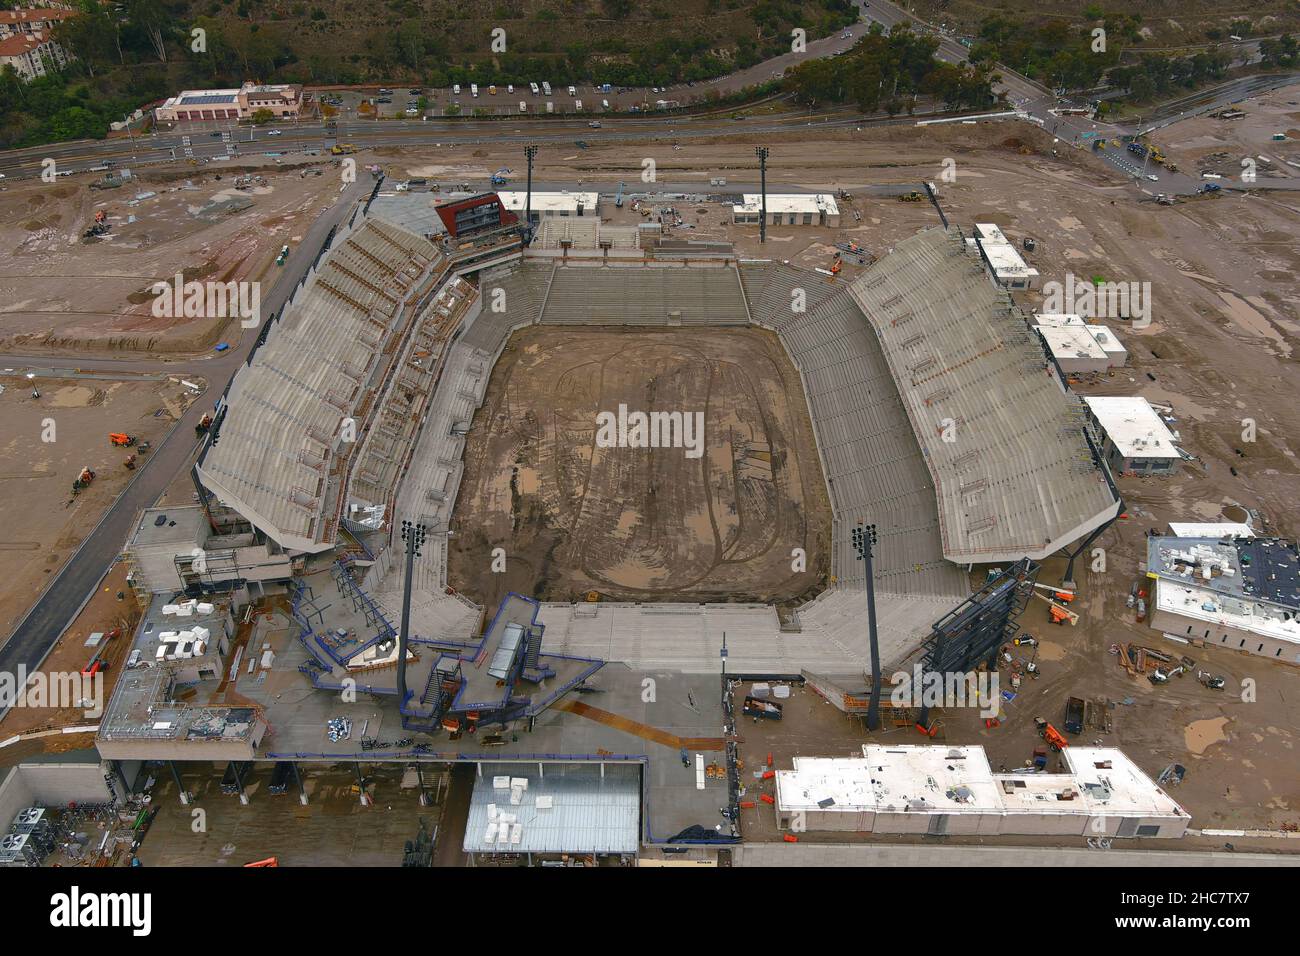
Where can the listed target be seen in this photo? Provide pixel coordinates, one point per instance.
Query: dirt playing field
(713, 523)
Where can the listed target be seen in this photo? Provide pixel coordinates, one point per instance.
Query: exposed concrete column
(185, 797)
(302, 789)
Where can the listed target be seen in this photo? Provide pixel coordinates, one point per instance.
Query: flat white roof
(1004, 259)
(990, 232)
(792, 202)
(1133, 426)
(1081, 341)
(1057, 319)
(917, 778)
(1107, 339)
(1211, 529)
(1217, 609)
(550, 201)
(1071, 341)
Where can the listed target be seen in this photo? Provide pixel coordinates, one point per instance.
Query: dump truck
(757, 707)
(1074, 710)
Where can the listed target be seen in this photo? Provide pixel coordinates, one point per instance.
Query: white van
(523, 106)
(605, 103)
(510, 88)
(534, 88)
(573, 91)
(473, 89)
(455, 89)
(546, 88)
(577, 105)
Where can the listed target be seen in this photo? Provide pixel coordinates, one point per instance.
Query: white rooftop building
(1006, 265)
(952, 790)
(1134, 437)
(1080, 348)
(1231, 590)
(789, 209)
(563, 203)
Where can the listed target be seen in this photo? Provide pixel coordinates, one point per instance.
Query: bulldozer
(121, 439)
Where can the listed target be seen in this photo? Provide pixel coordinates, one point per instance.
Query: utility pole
(413, 534)
(530, 152)
(761, 152)
(864, 539)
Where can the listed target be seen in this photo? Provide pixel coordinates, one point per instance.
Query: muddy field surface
(714, 521)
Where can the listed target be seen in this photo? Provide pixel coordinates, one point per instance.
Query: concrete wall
(1222, 635)
(979, 824)
(51, 785)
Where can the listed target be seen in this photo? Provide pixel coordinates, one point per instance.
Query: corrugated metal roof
(588, 812)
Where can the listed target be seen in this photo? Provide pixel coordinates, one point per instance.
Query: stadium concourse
(936, 414)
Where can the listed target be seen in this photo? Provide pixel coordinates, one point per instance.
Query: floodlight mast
(864, 539)
(413, 534)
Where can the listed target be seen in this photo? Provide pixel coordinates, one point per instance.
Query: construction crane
(618, 200)
(1064, 595)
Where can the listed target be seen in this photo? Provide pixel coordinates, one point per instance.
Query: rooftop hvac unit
(16, 850)
(29, 819)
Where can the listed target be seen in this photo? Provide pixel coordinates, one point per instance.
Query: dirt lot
(63, 292)
(104, 612)
(642, 524)
(1210, 144)
(333, 829)
(45, 522)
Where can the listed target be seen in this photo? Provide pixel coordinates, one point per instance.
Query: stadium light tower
(413, 534)
(530, 153)
(864, 539)
(761, 152)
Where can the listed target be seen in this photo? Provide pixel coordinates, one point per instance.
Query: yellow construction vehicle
(344, 149)
(913, 196)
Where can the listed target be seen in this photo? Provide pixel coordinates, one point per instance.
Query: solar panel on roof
(208, 98)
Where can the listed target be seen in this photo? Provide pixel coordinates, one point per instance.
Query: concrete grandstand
(385, 338)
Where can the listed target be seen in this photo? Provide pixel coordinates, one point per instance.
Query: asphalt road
(58, 605)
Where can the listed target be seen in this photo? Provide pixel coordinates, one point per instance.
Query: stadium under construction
(330, 482)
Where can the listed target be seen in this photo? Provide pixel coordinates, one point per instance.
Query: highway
(59, 604)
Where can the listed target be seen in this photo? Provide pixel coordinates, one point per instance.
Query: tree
(153, 20)
(261, 116)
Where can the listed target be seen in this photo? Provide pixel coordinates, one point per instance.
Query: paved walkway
(877, 855)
